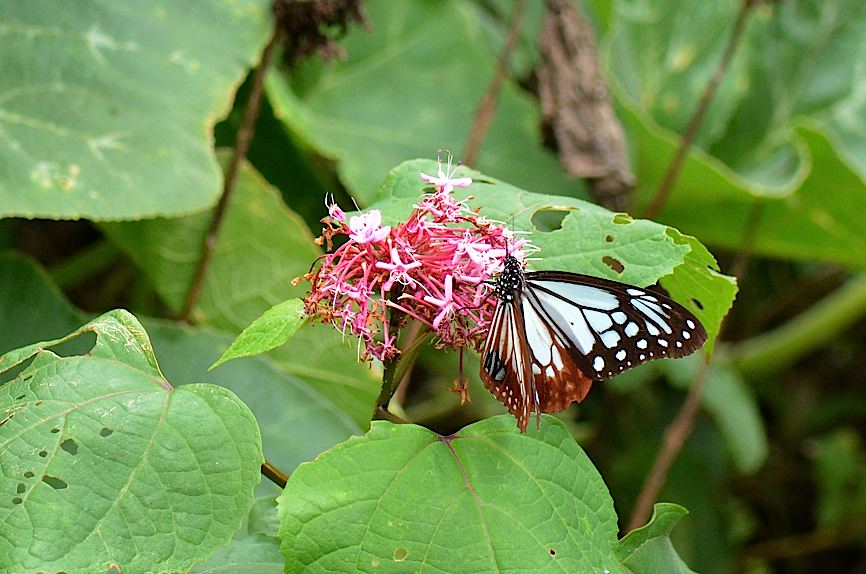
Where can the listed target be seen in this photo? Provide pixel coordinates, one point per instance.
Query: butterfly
(554, 333)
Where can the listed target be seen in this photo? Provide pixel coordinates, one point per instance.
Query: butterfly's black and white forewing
(554, 333)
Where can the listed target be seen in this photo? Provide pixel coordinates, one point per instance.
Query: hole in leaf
(549, 219)
(55, 430)
(80, 345)
(622, 219)
(29, 474)
(114, 569)
(37, 403)
(54, 482)
(43, 453)
(70, 446)
(553, 551)
(698, 304)
(400, 554)
(19, 397)
(609, 238)
(21, 488)
(614, 264)
(105, 432)
(6, 419)
(17, 500)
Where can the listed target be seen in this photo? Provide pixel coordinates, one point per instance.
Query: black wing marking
(505, 364)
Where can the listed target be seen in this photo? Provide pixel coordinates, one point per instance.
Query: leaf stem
(663, 191)
(781, 346)
(242, 144)
(274, 474)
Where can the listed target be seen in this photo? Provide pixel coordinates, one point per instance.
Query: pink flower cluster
(434, 267)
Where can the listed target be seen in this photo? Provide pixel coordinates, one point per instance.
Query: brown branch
(663, 191)
(674, 439)
(274, 474)
(577, 115)
(242, 145)
(484, 113)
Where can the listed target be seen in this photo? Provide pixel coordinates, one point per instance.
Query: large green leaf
(107, 108)
(107, 463)
(591, 239)
(424, 67)
(796, 60)
(487, 499)
(781, 141)
(262, 246)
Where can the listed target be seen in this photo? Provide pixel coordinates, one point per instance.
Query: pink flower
(367, 227)
(435, 268)
(334, 210)
(399, 270)
(445, 304)
(444, 180)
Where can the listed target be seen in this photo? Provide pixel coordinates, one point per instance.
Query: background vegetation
(117, 121)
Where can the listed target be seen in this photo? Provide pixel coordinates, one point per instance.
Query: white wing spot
(642, 357)
(690, 323)
(635, 292)
(619, 317)
(620, 355)
(679, 344)
(663, 343)
(610, 339)
(598, 363)
(631, 329)
(641, 344)
(652, 329)
(686, 335)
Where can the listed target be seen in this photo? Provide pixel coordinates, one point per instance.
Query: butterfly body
(554, 333)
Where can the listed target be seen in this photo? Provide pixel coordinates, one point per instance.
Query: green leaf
(124, 131)
(591, 240)
(486, 499)
(418, 104)
(779, 162)
(648, 549)
(105, 462)
(276, 326)
(698, 280)
(296, 418)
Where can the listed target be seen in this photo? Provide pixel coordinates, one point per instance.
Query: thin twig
(663, 191)
(484, 114)
(675, 436)
(274, 474)
(681, 427)
(242, 145)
